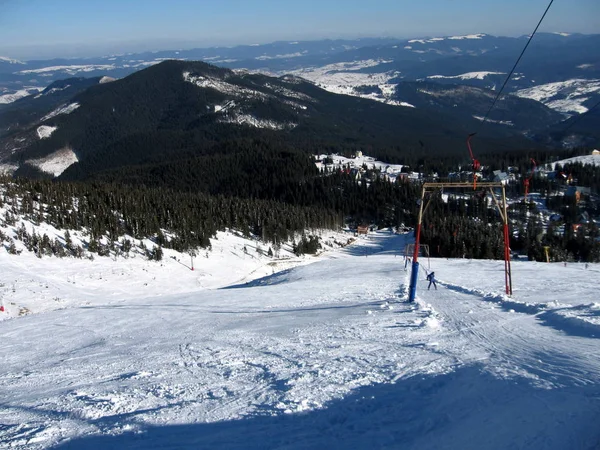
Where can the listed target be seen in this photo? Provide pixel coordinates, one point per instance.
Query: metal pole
(507, 270)
(414, 275)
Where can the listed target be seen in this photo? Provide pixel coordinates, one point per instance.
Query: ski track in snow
(327, 354)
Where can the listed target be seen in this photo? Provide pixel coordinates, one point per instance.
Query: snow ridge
(564, 96)
(65, 109)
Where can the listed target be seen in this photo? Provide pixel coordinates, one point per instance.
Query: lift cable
(579, 117)
(516, 63)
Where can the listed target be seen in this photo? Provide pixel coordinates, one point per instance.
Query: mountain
(29, 109)
(179, 109)
(551, 57)
(14, 74)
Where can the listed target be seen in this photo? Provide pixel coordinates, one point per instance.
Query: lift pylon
(502, 208)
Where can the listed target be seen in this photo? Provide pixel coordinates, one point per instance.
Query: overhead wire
(516, 63)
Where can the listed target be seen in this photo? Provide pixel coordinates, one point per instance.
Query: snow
(360, 160)
(501, 122)
(10, 60)
(468, 75)
(57, 162)
(9, 98)
(65, 109)
(287, 55)
(563, 96)
(584, 159)
(45, 131)
(7, 169)
(437, 39)
(468, 36)
(221, 86)
(344, 78)
(106, 80)
(138, 354)
(248, 119)
(71, 70)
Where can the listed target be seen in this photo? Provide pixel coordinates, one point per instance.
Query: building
(500, 176)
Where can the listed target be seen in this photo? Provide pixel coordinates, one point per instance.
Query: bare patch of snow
(106, 79)
(468, 36)
(287, 55)
(10, 60)
(592, 160)
(9, 98)
(247, 119)
(45, 131)
(55, 163)
(221, 85)
(8, 168)
(563, 96)
(65, 109)
(73, 69)
(468, 75)
(500, 122)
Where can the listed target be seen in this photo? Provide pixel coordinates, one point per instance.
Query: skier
(431, 279)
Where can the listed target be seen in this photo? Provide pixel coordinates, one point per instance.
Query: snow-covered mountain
(251, 352)
(479, 59)
(570, 97)
(110, 119)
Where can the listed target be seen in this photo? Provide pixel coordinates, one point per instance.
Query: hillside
(182, 110)
(147, 355)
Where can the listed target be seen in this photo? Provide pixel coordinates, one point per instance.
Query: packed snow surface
(139, 354)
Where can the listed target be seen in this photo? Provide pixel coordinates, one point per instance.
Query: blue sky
(51, 28)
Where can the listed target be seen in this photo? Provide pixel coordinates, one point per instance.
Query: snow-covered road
(322, 355)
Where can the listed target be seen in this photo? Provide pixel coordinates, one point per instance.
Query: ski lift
(476, 164)
(528, 179)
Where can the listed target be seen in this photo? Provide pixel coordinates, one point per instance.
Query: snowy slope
(585, 159)
(567, 97)
(14, 96)
(324, 355)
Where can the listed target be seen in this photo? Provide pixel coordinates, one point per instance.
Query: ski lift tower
(502, 209)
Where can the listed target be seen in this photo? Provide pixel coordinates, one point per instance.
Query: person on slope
(431, 279)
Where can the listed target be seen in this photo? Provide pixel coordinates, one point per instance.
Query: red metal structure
(502, 209)
(526, 180)
(476, 164)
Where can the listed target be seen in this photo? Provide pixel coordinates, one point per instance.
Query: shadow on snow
(467, 408)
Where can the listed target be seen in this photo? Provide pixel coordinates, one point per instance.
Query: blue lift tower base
(414, 277)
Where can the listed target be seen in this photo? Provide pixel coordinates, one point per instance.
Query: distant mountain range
(479, 60)
(180, 109)
(430, 93)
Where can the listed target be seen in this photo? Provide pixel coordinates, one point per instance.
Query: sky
(68, 28)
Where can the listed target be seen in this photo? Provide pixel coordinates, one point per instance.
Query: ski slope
(319, 355)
